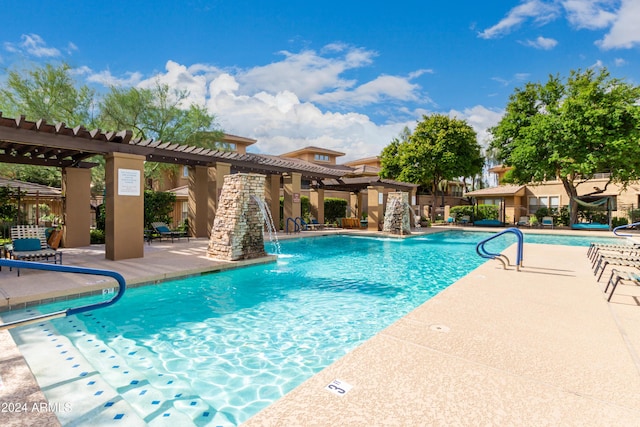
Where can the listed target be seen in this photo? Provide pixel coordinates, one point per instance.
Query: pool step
(101, 387)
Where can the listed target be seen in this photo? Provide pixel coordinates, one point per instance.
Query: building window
(321, 157)
(456, 190)
(494, 202)
(185, 171)
(185, 212)
(550, 202)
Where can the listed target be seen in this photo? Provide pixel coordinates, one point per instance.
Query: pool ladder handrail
(296, 226)
(622, 227)
(122, 285)
(482, 251)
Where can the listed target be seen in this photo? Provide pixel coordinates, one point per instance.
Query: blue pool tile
(103, 351)
(142, 393)
(155, 402)
(115, 366)
(193, 403)
(131, 353)
(91, 383)
(98, 393)
(75, 366)
(178, 395)
(206, 414)
(170, 382)
(134, 382)
(118, 416)
(69, 358)
(84, 374)
(108, 404)
(166, 415)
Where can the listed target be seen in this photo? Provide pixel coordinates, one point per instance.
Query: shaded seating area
(162, 231)
(29, 243)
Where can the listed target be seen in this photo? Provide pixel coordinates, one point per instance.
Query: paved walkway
(536, 347)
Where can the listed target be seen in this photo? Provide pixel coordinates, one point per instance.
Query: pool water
(216, 349)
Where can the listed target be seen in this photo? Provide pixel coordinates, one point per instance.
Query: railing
(296, 226)
(63, 269)
(621, 227)
(482, 251)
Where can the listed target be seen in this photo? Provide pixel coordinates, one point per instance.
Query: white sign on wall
(128, 182)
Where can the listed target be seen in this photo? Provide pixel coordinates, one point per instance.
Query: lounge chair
(618, 276)
(29, 243)
(547, 221)
(315, 225)
(165, 232)
(464, 219)
(524, 220)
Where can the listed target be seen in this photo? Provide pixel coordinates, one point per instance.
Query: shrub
(97, 236)
(158, 207)
(334, 208)
(476, 213)
(616, 222)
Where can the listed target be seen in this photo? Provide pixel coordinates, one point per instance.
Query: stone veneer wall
(238, 226)
(396, 217)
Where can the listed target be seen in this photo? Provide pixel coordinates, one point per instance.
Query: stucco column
(272, 198)
(375, 206)
(76, 187)
(316, 200)
(124, 234)
(216, 181)
(354, 207)
(198, 201)
(292, 185)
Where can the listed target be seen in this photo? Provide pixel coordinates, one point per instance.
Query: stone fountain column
(238, 226)
(396, 217)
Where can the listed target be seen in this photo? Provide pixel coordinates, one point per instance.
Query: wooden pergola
(43, 144)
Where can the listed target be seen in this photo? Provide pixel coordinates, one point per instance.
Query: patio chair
(315, 225)
(464, 219)
(524, 220)
(618, 276)
(29, 243)
(165, 232)
(547, 221)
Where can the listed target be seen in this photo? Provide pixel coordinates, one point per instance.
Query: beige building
(515, 201)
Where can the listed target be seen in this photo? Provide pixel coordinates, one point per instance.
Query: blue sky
(346, 75)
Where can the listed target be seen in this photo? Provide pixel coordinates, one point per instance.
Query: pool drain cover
(439, 328)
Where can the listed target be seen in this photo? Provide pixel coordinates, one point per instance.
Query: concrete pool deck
(537, 347)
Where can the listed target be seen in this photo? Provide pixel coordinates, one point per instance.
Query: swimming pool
(215, 349)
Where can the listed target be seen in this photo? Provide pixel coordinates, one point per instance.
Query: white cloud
(625, 31)
(480, 119)
(541, 43)
(306, 73)
(107, 79)
(620, 62)
(590, 14)
(34, 45)
(536, 10)
(279, 103)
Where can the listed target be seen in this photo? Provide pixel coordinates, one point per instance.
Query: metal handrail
(621, 227)
(482, 251)
(122, 285)
(296, 227)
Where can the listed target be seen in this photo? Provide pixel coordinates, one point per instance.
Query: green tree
(570, 130)
(440, 148)
(48, 93)
(158, 114)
